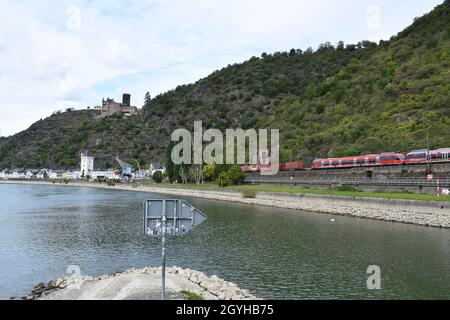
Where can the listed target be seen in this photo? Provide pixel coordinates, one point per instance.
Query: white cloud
(72, 53)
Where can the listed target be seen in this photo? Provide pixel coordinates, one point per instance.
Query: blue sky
(59, 54)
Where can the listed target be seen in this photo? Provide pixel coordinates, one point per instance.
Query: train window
(416, 156)
(386, 158)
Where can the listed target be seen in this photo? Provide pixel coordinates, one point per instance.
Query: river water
(275, 253)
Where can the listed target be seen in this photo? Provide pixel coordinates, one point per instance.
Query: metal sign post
(164, 217)
(163, 255)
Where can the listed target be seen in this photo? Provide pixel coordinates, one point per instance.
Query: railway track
(406, 182)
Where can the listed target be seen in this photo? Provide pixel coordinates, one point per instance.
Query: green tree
(209, 172)
(171, 170)
(219, 168)
(224, 180)
(236, 174)
(147, 99)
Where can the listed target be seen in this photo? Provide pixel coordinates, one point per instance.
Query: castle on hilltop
(110, 107)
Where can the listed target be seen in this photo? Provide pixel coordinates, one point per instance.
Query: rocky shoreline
(141, 284)
(423, 213)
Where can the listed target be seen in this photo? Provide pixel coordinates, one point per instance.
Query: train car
(442, 154)
(392, 158)
(348, 162)
(286, 166)
(292, 166)
(417, 156)
(389, 158)
(425, 156)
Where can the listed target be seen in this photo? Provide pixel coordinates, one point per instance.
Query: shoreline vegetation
(419, 209)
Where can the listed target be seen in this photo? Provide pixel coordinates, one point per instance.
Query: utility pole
(428, 153)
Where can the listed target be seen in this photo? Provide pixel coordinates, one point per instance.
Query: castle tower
(126, 100)
(87, 164)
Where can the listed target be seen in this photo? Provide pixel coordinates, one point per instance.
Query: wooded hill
(336, 100)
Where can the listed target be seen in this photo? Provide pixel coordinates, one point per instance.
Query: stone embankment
(143, 284)
(431, 213)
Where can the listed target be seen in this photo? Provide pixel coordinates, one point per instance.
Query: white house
(157, 167)
(54, 175)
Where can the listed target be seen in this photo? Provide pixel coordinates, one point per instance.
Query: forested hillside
(333, 101)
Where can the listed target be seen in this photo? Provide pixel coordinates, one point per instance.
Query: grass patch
(348, 193)
(347, 189)
(192, 295)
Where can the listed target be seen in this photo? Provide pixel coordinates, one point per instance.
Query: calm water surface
(274, 253)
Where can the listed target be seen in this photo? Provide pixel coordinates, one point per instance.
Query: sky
(60, 54)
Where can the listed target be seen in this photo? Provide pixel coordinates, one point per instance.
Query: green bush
(224, 180)
(208, 172)
(248, 194)
(158, 177)
(110, 183)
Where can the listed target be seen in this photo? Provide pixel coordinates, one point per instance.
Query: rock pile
(136, 282)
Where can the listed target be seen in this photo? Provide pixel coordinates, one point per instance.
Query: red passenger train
(382, 159)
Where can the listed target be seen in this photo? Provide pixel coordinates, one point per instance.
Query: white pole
(438, 189)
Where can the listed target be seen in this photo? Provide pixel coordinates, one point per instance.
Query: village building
(156, 167)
